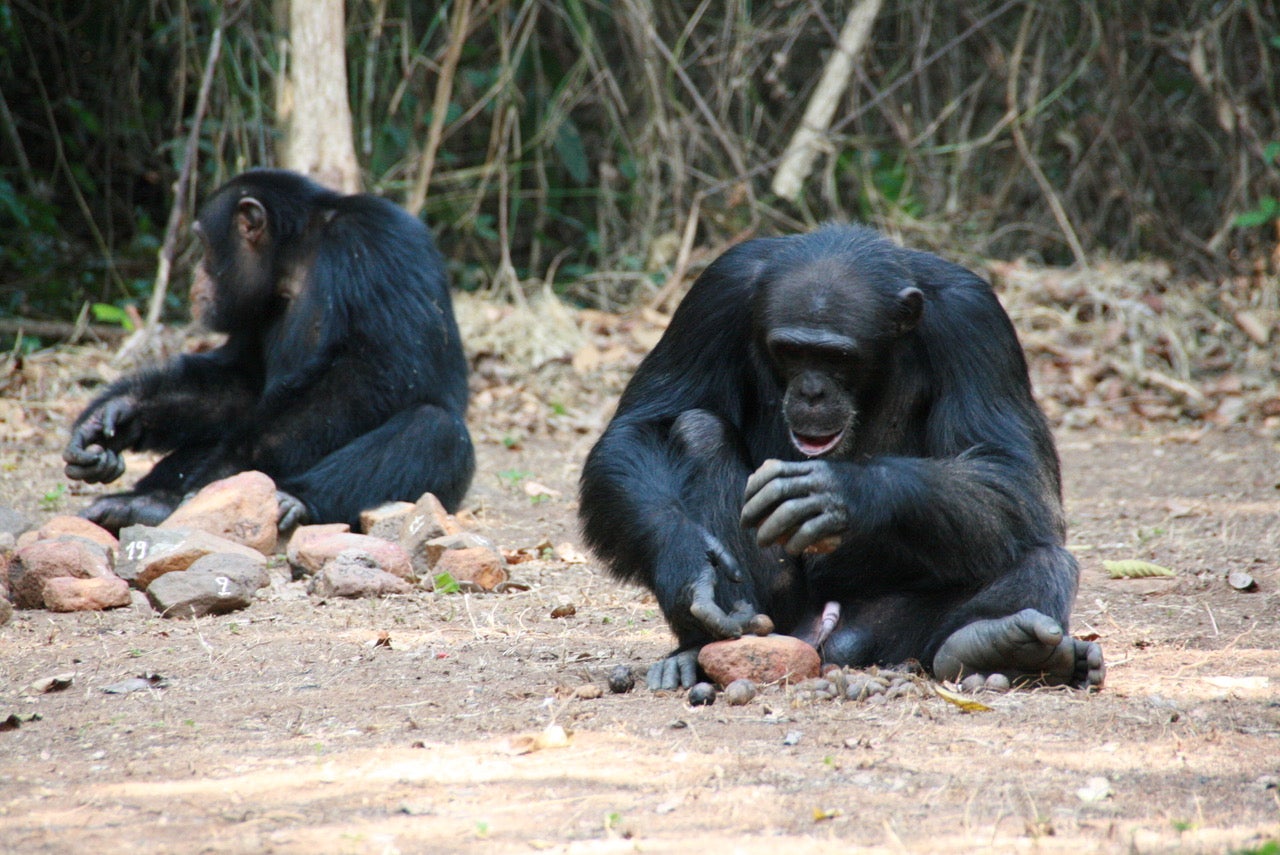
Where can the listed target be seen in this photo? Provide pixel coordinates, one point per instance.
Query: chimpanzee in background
(840, 433)
(342, 377)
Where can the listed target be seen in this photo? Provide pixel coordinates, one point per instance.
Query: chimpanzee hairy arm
(637, 508)
(193, 401)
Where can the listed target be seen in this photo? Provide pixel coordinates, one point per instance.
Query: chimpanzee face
(234, 280)
(826, 330)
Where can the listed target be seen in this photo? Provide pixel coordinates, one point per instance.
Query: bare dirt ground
(288, 727)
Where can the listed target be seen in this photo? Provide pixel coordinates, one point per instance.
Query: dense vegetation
(582, 135)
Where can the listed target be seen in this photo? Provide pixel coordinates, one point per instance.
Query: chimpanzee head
(827, 323)
(250, 229)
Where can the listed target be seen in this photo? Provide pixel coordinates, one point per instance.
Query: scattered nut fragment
(740, 692)
(588, 692)
(564, 611)
(621, 680)
(760, 625)
(702, 694)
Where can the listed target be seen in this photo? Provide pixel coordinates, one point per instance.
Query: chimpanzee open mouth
(816, 446)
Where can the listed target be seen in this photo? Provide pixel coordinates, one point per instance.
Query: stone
(38, 562)
(386, 521)
(355, 573)
(6, 559)
(68, 594)
(480, 566)
(147, 553)
(13, 521)
(427, 521)
(761, 659)
(216, 584)
(242, 508)
(309, 553)
(433, 549)
(60, 526)
(6, 611)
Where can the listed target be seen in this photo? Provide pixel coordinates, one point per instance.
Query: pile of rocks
(221, 547)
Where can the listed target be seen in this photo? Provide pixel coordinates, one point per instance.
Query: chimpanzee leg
(1016, 627)
(424, 450)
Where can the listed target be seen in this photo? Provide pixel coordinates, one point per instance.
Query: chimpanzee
(342, 375)
(840, 433)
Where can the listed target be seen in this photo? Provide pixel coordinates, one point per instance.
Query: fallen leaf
(56, 683)
(552, 736)
(136, 684)
(966, 704)
(1134, 568)
(1094, 790)
(533, 488)
(564, 611)
(1238, 682)
(820, 814)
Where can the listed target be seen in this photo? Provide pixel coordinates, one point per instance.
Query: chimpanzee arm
(192, 401)
(643, 507)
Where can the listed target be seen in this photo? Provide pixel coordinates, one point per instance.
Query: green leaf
(1134, 568)
(106, 313)
(446, 584)
(573, 156)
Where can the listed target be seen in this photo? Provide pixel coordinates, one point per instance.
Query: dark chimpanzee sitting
(865, 409)
(342, 377)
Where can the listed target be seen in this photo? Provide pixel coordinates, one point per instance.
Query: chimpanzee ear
(251, 220)
(910, 305)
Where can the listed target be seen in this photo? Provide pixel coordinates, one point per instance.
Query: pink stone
(58, 526)
(479, 565)
(66, 594)
(35, 564)
(761, 659)
(242, 508)
(309, 551)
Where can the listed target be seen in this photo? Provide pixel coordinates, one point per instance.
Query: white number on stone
(224, 586)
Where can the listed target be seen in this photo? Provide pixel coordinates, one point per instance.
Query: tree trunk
(318, 139)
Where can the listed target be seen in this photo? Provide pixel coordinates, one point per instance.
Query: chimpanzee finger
(292, 511)
(720, 557)
(702, 606)
(770, 497)
(822, 528)
(679, 670)
(99, 468)
(788, 517)
(767, 471)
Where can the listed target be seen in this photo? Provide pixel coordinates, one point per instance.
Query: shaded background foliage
(582, 135)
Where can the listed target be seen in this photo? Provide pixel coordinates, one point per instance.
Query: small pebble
(998, 683)
(973, 683)
(760, 625)
(588, 692)
(702, 694)
(621, 680)
(740, 692)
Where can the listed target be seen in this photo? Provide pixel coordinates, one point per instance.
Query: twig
(1024, 150)
(440, 105)
(190, 156)
(797, 160)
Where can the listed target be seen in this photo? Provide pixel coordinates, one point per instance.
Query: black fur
(343, 376)
(947, 483)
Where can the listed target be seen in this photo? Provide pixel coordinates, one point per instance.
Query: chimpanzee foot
(120, 510)
(679, 670)
(1027, 646)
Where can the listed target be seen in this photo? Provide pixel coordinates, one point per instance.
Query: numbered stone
(427, 521)
(147, 553)
(355, 573)
(215, 584)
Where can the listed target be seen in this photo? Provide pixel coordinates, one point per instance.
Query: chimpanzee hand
(798, 505)
(93, 453)
(680, 669)
(293, 512)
